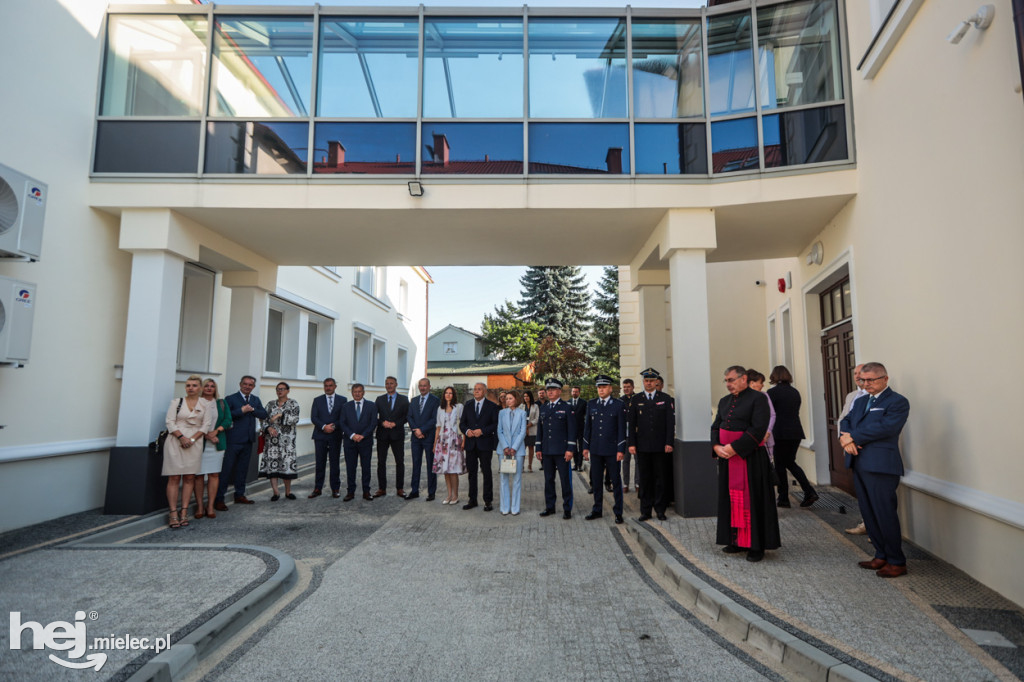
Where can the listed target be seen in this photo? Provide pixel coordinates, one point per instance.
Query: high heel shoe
(172, 519)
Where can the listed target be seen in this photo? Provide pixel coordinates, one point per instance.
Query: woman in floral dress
(449, 452)
(279, 456)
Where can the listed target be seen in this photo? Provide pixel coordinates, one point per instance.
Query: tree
(507, 336)
(606, 323)
(555, 359)
(556, 297)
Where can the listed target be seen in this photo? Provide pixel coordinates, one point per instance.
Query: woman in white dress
(188, 421)
(449, 446)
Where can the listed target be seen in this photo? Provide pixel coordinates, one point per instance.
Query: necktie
(478, 409)
(391, 402)
(423, 402)
(330, 403)
(604, 403)
(871, 401)
(359, 409)
(246, 400)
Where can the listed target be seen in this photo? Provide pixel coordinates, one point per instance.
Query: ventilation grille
(3, 317)
(8, 207)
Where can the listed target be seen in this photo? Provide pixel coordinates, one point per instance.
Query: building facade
(710, 153)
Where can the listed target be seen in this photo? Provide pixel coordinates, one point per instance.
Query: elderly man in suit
(479, 423)
(245, 410)
(358, 422)
(556, 444)
(870, 435)
(423, 423)
(392, 410)
(604, 443)
(326, 418)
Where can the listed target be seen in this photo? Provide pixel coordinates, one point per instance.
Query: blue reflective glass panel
(256, 148)
(579, 148)
(147, 146)
(734, 145)
(670, 148)
(261, 66)
(473, 148)
(366, 148)
(668, 76)
(730, 64)
(578, 68)
(368, 67)
(473, 68)
(805, 136)
(799, 54)
(154, 66)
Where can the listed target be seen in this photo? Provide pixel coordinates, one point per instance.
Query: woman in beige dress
(189, 419)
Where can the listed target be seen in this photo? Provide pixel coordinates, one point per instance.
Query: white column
(654, 335)
(150, 345)
(691, 346)
(247, 335)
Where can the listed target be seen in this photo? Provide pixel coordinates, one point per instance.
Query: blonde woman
(213, 450)
(188, 421)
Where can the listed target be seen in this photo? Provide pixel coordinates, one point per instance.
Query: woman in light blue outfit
(512, 442)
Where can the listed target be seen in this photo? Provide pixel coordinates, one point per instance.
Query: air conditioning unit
(17, 308)
(22, 209)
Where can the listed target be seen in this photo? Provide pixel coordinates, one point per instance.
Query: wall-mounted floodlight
(415, 188)
(981, 20)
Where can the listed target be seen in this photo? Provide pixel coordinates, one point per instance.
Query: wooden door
(838, 358)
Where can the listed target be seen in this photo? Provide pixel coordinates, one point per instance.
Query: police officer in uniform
(556, 443)
(651, 435)
(604, 443)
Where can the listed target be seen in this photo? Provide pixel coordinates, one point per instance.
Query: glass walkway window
(730, 64)
(668, 69)
(263, 148)
(472, 68)
(799, 54)
(472, 148)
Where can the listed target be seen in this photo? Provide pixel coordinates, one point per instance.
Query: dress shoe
(891, 571)
(755, 556)
(566, 515)
(625, 488)
(547, 512)
(783, 503)
(593, 515)
(400, 493)
(872, 565)
(335, 494)
(644, 517)
(590, 491)
(469, 505)
(662, 517)
(316, 493)
(242, 499)
(619, 519)
(367, 496)
(488, 507)
(608, 487)
(275, 497)
(380, 493)
(809, 500)
(430, 498)
(290, 496)
(412, 496)
(349, 497)
(733, 549)
(210, 514)
(220, 506)
(859, 529)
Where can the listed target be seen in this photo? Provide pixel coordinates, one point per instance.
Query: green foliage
(606, 324)
(559, 360)
(556, 297)
(507, 336)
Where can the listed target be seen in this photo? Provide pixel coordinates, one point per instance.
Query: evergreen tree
(606, 323)
(556, 297)
(507, 336)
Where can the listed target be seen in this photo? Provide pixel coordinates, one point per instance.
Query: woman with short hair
(279, 455)
(188, 421)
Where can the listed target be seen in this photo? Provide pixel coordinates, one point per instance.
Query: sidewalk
(394, 589)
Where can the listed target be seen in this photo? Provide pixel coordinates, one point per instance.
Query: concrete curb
(740, 623)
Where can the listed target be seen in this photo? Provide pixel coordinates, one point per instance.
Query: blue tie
(391, 402)
(359, 409)
(871, 401)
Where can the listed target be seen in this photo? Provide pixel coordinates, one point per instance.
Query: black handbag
(157, 446)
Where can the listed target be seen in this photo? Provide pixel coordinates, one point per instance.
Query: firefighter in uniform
(604, 443)
(651, 435)
(556, 443)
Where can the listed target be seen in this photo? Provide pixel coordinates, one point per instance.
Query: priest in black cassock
(747, 517)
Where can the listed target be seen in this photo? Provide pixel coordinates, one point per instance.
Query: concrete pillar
(653, 328)
(150, 346)
(247, 333)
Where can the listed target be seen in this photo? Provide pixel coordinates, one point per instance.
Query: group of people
(755, 437)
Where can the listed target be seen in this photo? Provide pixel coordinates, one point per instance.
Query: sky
(462, 295)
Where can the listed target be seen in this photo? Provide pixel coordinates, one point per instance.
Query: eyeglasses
(733, 380)
(868, 380)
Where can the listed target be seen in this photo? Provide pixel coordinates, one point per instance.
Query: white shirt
(851, 397)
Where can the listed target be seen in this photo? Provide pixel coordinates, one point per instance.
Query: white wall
(467, 346)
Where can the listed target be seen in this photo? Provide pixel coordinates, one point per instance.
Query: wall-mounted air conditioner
(17, 307)
(22, 209)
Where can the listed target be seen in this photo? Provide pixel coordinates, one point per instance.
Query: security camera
(759, 282)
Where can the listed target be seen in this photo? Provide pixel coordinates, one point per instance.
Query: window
(378, 362)
(836, 304)
(403, 367)
(196, 319)
(299, 342)
(366, 279)
(403, 297)
(451, 347)
(787, 339)
(773, 349)
(312, 329)
(361, 357)
(275, 333)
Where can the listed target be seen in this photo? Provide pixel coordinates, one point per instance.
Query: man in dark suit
(245, 410)
(627, 459)
(358, 421)
(651, 436)
(423, 423)
(579, 411)
(604, 443)
(392, 411)
(326, 418)
(479, 423)
(556, 443)
(870, 434)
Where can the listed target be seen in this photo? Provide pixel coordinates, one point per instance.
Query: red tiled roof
(745, 158)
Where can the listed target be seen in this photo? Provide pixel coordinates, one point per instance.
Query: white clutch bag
(509, 465)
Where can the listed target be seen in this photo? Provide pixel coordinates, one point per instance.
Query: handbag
(157, 446)
(508, 465)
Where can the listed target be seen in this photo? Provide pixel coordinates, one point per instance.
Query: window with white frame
(361, 340)
(378, 362)
(403, 298)
(773, 349)
(196, 323)
(299, 341)
(451, 347)
(403, 367)
(787, 339)
(366, 279)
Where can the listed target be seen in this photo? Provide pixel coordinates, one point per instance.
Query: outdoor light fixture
(981, 20)
(415, 188)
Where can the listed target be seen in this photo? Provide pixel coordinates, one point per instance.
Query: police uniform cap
(553, 383)
(603, 380)
(650, 373)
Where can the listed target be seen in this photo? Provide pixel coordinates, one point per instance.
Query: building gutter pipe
(1018, 30)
